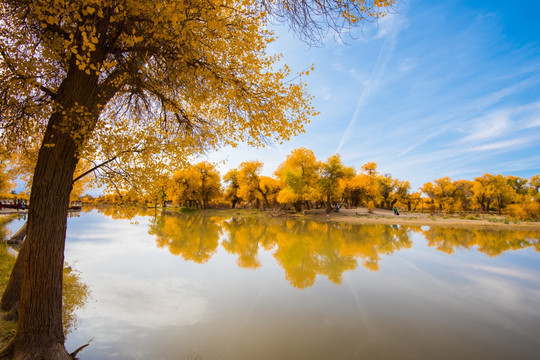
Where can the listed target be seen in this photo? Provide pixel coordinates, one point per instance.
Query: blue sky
(446, 88)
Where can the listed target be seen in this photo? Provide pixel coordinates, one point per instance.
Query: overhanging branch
(105, 163)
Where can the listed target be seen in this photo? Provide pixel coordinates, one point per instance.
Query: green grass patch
(75, 294)
(6, 264)
(7, 328)
(499, 220)
(6, 261)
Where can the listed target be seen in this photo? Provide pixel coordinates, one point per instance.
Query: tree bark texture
(39, 329)
(39, 332)
(13, 289)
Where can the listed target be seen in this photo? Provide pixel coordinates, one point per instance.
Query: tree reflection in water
(74, 297)
(75, 292)
(305, 249)
(245, 236)
(123, 212)
(491, 242)
(195, 237)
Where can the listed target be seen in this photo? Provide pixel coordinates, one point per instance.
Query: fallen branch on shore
(18, 237)
(78, 350)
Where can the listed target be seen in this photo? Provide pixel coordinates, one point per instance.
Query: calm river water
(210, 287)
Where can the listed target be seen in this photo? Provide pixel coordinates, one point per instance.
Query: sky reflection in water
(200, 287)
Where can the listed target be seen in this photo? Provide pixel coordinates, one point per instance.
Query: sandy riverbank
(8, 211)
(381, 216)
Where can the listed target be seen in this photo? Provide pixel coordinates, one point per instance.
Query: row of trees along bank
(303, 182)
(133, 89)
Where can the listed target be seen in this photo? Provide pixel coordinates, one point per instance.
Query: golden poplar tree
(333, 172)
(363, 188)
(299, 175)
(135, 87)
(254, 188)
(231, 191)
(442, 193)
(195, 186)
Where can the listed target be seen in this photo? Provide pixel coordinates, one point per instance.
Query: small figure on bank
(395, 211)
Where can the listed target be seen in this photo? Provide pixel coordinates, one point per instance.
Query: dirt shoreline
(9, 211)
(381, 216)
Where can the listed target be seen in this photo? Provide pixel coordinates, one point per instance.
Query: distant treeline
(303, 182)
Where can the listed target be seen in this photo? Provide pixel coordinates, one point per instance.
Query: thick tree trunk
(13, 290)
(266, 203)
(499, 205)
(11, 295)
(39, 329)
(264, 196)
(39, 332)
(53, 351)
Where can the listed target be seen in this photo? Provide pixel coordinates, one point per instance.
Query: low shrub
(525, 211)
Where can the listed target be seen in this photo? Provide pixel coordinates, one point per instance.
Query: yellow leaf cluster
(151, 86)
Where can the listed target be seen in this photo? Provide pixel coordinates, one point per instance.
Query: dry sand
(381, 216)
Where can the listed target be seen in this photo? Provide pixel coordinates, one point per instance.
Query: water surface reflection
(370, 291)
(305, 249)
(75, 292)
(491, 242)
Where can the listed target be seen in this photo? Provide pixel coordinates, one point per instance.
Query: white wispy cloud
(514, 273)
(391, 29)
(357, 76)
(497, 96)
(387, 25)
(490, 126)
(423, 141)
(534, 123)
(503, 145)
(326, 93)
(407, 64)
(504, 119)
(337, 66)
(424, 96)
